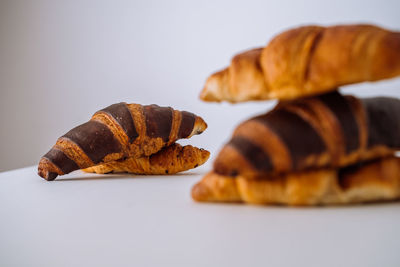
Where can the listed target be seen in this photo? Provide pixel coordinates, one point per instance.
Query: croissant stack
(300, 152)
(316, 146)
(120, 133)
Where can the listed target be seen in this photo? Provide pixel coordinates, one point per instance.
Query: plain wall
(60, 61)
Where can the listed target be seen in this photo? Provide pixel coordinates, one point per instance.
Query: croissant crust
(169, 160)
(370, 182)
(305, 61)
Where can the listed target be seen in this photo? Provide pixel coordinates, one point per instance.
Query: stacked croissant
(127, 138)
(317, 146)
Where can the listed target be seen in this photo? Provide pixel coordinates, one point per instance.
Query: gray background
(60, 61)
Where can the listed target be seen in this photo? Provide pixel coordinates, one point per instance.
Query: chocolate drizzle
(158, 121)
(120, 112)
(95, 139)
(187, 124)
(58, 158)
(299, 136)
(252, 153)
(383, 119)
(342, 111)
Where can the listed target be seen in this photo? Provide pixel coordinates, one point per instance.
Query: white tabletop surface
(93, 220)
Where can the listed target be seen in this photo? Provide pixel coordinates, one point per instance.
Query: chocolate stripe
(300, 138)
(120, 112)
(342, 111)
(95, 139)
(344, 172)
(158, 121)
(58, 158)
(383, 119)
(187, 124)
(252, 153)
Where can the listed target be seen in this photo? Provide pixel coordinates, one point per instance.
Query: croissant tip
(204, 126)
(47, 175)
(207, 95)
(200, 192)
(215, 86)
(205, 153)
(203, 94)
(51, 176)
(200, 126)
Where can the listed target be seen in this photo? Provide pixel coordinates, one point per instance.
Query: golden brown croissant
(169, 160)
(329, 130)
(374, 181)
(118, 131)
(306, 61)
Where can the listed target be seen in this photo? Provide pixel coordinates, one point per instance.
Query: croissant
(325, 131)
(119, 131)
(374, 181)
(307, 61)
(169, 160)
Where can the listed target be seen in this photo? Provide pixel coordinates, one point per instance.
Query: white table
(119, 220)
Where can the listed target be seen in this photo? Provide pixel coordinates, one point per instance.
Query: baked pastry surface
(169, 160)
(325, 131)
(368, 182)
(306, 61)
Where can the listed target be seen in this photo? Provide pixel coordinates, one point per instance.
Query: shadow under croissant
(114, 176)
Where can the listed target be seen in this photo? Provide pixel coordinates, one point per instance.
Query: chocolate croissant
(326, 131)
(169, 160)
(119, 131)
(307, 61)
